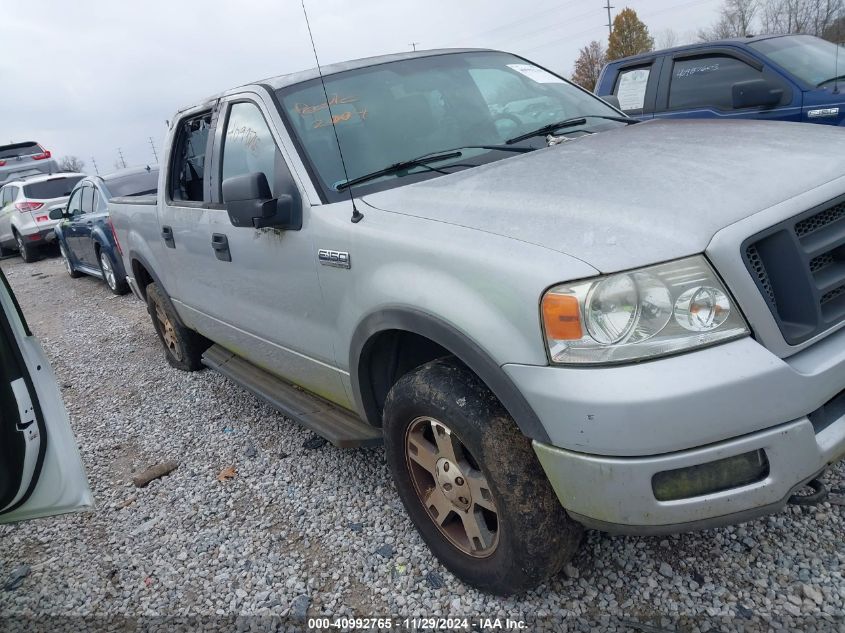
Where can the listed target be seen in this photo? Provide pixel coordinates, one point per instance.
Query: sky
(85, 78)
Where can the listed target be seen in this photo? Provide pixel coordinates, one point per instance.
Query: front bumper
(612, 429)
(616, 495)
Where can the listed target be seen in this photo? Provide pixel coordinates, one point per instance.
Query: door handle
(220, 244)
(167, 236)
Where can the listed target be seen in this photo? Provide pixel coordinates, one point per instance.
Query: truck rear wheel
(471, 482)
(183, 347)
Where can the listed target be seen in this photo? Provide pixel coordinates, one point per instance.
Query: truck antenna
(357, 216)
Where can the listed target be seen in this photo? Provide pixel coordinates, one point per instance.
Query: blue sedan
(86, 237)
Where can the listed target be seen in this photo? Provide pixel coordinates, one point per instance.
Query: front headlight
(639, 314)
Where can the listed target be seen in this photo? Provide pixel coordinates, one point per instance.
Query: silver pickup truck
(551, 317)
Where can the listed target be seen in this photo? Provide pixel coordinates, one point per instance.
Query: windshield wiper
(827, 81)
(423, 160)
(573, 122)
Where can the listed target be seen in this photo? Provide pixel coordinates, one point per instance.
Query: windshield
(53, 188)
(140, 184)
(809, 58)
(393, 112)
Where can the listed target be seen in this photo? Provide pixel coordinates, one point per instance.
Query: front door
(254, 291)
(70, 228)
(40, 470)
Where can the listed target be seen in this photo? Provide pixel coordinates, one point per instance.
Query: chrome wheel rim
(168, 334)
(68, 267)
(108, 271)
(451, 487)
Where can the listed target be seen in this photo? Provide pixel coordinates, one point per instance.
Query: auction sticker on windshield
(536, 74)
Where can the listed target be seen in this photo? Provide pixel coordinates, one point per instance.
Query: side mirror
(612, 100)
(756, 93)
(57, 214)
(250, 203)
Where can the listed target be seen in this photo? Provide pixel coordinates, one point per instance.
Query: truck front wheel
(183, 347)
(471, 482)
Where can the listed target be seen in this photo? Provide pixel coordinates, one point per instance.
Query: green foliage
(629, 37)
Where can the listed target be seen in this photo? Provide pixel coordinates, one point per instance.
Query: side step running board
(339, 427)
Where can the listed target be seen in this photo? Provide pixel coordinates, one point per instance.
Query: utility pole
(414, 44)
(609, 18)
(153, 145)
(94, 162)
(122, 160)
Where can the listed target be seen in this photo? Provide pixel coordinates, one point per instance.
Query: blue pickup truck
(774, 77)
(86, 237)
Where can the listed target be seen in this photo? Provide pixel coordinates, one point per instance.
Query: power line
(609, 19)
(510, 25)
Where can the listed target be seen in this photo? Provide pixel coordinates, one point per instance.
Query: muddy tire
(183, 347)
(471, 482)
(28, 252)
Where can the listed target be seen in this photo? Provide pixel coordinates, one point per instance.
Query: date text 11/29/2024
(417, 624)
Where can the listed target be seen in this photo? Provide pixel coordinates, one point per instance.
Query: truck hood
(632, 196)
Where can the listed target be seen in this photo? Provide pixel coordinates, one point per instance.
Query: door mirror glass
(57, 214)
(756, 93)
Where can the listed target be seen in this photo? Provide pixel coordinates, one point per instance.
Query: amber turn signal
(562, 317)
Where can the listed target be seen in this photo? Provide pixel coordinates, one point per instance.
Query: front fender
(461, 345)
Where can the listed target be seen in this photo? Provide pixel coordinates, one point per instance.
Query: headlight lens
(642, 314)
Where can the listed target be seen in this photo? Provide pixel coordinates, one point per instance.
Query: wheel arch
(144, 274)
(369, 353)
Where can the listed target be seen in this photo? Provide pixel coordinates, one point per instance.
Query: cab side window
(8, 196)
(88, 200)
(187, 163)
(631, 88)
(708, 81)
(74, 205)
(248, 145)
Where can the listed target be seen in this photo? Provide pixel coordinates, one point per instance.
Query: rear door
(636, 87)
(70, 229)
(84, 224)
(40, 470)
(698, 84)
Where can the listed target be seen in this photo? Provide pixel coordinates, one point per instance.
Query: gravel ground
(320, 531)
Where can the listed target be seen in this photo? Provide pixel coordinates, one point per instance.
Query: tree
(736, 19)
(667, 38)
(71, 163)
(589, 64)
(629, 36)
(801, 16)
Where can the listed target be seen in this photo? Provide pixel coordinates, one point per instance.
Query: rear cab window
(53, 188)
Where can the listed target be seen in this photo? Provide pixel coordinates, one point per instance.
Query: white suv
(25, 206)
